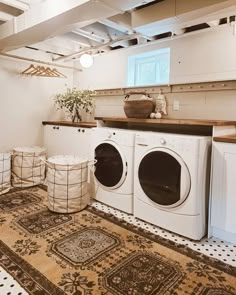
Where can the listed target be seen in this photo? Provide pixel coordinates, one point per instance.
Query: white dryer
(171, 181)
(114, 151)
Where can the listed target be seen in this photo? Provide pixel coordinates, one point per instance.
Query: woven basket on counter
(138, 108)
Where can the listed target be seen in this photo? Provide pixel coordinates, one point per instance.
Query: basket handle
(90, 162)
(43, 160)
(136, 92)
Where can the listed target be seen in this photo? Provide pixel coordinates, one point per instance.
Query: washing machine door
(164, 177)
(111, 167)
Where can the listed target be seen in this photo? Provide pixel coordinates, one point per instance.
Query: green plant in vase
(74, 100)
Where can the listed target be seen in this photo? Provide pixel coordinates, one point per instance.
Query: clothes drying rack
(41, 71)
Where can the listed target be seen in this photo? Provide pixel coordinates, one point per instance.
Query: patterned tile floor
(8, 286)
(212, 247)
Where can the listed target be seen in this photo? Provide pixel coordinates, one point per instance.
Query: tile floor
(212, 247)
(8, 286)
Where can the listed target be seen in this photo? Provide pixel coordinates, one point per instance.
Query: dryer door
(111, 167)
(164, 177)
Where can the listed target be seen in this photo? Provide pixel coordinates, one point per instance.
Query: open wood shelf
(170, 121)
(225, 138)
(71, 124)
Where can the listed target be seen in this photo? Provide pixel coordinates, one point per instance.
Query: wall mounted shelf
(225, 138)
(170, 121)
(174, 88)
(70, 124)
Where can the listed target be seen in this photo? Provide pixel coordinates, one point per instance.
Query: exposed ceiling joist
(41, 21)
(169, 15)
(5, 16)
(124, 5)
(15, 3)
(100, 33)
(109, 23)
(35, 25)
(120, 22)
(142, 40)
(213, 16)
(91, 35)
(28, 2)
(71, 27)
(97, 48)
(57, 46)
(82, 41)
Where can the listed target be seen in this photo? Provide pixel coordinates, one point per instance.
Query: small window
(149, 68)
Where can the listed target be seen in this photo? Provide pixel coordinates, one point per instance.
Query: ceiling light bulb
(86, 60)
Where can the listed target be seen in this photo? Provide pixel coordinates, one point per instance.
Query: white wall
(199, 57)
(26, 101)
(206, 101)
(205, 56)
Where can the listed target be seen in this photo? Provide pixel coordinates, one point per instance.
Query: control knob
(109, 134)
(162, 141)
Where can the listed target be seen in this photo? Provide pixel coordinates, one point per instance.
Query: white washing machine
(171, 180)
(113, 173)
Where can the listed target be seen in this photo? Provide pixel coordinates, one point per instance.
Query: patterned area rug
(92, 252)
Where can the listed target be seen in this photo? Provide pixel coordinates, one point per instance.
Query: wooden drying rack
(41, 71)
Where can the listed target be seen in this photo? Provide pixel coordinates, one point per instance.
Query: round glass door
(110, 169)
(164, 178)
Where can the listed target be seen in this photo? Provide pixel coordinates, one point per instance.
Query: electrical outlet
(176, 105)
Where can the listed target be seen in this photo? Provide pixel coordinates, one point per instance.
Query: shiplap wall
(201, 57)
(216, 100)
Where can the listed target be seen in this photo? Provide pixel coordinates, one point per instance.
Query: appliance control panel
(174, 142)
(121, 137)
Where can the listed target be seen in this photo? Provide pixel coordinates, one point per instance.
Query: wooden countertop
(225, 138)
(170, 121)
(71, 124)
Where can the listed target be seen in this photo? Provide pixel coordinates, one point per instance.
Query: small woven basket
(138, 108)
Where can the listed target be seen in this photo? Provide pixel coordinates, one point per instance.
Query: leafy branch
(74, 100)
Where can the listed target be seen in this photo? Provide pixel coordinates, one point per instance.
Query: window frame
(134, 62)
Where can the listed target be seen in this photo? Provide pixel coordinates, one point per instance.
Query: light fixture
(86, 60)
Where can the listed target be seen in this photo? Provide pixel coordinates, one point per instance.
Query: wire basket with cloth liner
(27, 167)
(138, 108)
(5, 172)
(67, 179)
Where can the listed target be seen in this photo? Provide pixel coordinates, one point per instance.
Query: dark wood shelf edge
(71, 124)
(170, 121)
(225, 138)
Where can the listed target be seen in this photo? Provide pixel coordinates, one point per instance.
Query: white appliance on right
(171, 181)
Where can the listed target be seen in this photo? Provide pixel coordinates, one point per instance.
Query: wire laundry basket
(27, 167)
(5, 172)
(67, 179)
